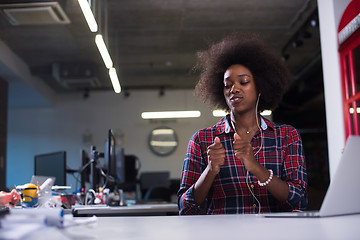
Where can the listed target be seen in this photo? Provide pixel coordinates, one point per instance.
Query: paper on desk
(18, 230)
(21, 222)
(47, 216)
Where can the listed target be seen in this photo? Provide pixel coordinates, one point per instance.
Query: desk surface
(218, 227)
(192, 228)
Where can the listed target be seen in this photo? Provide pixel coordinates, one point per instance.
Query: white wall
(34, 131)
(330, 13)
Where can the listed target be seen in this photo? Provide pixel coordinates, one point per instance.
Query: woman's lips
(236, 99)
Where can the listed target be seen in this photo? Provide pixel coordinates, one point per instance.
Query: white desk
(205, 227)
(219, 227)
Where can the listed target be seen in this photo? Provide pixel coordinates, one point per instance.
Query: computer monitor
(120, 166)
(114, 159)
(52, 165)
(85, 168)
(110, 154)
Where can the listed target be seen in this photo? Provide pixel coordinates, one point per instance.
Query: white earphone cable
(261, 144)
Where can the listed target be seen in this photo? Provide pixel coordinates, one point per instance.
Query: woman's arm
(216, 158)
(195, 185)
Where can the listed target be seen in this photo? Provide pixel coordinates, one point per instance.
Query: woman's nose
(235, 88)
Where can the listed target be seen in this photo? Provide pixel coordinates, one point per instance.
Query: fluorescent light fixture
(351, 110)
(170, 114)
(114, 80)
(89, 16)
(219, 113)
(266, 113)
(103, 51)
(222, 113)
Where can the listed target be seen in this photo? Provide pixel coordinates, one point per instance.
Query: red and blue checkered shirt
(280, 150)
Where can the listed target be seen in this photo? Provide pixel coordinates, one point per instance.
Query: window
(350, 60)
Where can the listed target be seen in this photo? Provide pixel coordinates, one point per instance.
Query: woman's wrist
(260, 172)
(211, 172)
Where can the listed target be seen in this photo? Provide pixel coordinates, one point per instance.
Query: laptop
(343, 194)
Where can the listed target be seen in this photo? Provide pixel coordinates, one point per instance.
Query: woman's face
(239, 89)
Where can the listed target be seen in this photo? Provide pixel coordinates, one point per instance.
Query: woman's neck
(245, 121)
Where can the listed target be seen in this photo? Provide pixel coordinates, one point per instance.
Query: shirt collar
(228, 128)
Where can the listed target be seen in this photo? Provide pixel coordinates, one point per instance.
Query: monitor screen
(120, 166)
(110, 154)
(52, 165)
(114, 159)
(85, 168)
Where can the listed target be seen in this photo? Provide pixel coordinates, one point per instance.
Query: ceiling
(153, 43)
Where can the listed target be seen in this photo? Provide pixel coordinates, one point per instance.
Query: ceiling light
(90, 19)
(114, 80)
(219, 113)
(351, 110)
(266, 113)
(222, 113)
(170, 114)
(313, 23)
(297, 43)
(103, 51)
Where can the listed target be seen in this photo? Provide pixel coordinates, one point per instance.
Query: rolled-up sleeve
(192, 169)
(295, 173)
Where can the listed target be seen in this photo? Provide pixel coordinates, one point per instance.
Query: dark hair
(270, 74)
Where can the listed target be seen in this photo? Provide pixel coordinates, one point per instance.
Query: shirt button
(252, 185)
(254, 205)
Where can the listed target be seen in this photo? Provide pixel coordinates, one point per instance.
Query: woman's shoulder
(286, 133)
(283, 128)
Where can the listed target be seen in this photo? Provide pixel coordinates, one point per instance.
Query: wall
(3, 130)
(330, 13)
(34, 131)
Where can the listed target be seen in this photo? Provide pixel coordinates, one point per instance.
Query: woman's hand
(245, 153)
(216, 156)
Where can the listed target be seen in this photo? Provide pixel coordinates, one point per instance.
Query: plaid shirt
(281, 151)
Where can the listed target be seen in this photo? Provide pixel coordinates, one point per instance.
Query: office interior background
(56, 93)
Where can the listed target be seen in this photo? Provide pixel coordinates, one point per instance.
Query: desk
(219, 227)
(206, 227)
(134, 210)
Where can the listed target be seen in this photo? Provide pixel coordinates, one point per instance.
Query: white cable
(247, 183)
(261, 144)
(257, 123)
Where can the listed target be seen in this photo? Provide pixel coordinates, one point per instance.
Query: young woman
(244, 163)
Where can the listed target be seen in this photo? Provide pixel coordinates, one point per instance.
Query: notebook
(343, 194)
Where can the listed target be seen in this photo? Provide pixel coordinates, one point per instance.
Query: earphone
(261, 139)
(261, 145)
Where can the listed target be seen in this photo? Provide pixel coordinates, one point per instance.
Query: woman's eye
(244, 83)
(227, 86)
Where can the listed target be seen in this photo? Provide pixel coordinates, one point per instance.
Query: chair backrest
(157, 194)
(149, 181)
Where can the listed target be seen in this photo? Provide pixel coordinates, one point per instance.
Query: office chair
(155, 186)
(158, 194)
